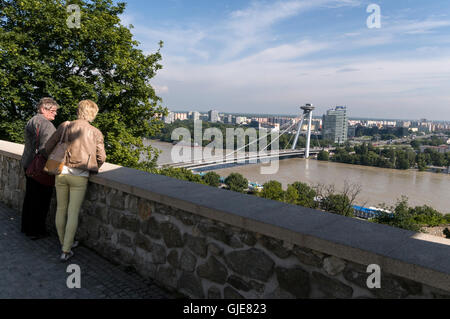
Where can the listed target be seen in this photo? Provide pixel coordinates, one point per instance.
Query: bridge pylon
(307, 112)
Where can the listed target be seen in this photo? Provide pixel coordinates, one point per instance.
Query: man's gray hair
(47, 103)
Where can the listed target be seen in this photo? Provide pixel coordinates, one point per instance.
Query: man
(37, 196)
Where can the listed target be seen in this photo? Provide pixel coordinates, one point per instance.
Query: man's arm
(51, 140)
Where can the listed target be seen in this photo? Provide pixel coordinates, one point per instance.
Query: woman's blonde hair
(87, 110)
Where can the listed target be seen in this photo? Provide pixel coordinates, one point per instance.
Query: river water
(379, 185)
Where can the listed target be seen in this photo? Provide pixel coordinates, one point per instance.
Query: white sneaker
(66, 256)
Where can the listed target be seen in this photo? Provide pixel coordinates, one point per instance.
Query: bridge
(263, 155)
(248, 158)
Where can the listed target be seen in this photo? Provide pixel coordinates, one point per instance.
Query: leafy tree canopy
(41, 56)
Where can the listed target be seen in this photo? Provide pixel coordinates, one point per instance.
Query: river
(379, 185)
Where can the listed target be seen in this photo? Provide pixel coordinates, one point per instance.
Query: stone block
(331, 287)
(247, 238)
(294, 280)
(101, 212)
(279, 293)
(158, 253)
(121, 220)
(213, 270)
(167, 276)
(230, 293)
(125, 240)
(187, 261)
(215, 249)
(214, 293)
(191, 285)
(171, 235)
(238, 283)
(333, 265)
(172, 259)
(143, 242)
(144, 209)
(275, 246)
(253, 263)
(196, 244)
(307, 257)
(151, 228)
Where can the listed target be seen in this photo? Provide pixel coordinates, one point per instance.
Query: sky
(272, 57)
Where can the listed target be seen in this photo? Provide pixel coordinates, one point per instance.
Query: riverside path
(32, 270)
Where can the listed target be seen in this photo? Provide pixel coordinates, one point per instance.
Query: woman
(37, 196)
(85, 154)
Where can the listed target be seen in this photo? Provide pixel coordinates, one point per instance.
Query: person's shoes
(66, 256)
(75, 244)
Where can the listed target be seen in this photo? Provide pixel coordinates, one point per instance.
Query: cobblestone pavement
(30, 269)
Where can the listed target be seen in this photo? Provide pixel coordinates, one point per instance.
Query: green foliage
(180, 173)
(306, 195)
(236, 182)
(212, 179)
(272, 190)
(427, 216)
(412, 218)
(337, 204)
(291, 195)
(323, 156)
(41, 56)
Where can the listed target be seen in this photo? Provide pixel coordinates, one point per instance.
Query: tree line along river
(379, 185)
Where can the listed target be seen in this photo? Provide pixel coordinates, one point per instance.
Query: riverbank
(379, 185)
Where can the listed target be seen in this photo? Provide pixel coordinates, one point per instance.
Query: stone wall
(209, 243)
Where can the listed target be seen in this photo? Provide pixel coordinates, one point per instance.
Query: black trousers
(35, 207)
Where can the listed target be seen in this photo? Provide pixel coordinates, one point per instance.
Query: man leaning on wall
(37, 196)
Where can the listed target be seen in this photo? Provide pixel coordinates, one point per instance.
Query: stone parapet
(211, 243)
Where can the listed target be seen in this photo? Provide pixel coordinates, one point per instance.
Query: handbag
(36, 169)
(57, 157)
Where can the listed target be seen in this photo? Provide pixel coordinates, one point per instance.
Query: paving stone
(32, 270)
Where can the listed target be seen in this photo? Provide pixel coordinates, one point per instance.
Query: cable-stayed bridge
(239, 157)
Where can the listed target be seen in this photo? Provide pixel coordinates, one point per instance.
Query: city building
(241, 119)
(169, 118)
(194, 115)
(180, 116)
(335, 125)
(213, 116)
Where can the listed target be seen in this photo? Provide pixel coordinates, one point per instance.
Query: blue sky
(274, 56)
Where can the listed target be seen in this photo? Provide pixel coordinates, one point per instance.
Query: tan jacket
(86, 149)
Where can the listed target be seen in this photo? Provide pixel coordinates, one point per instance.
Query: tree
(306, 195)
(41, 56)
(338, 204)
(212, 179)
(272, 190)
(323, 156)
(236, 182)
(291, 195)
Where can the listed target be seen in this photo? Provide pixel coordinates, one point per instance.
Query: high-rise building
(194, 115)
(213, 116)
(335, 125)
(169, 118)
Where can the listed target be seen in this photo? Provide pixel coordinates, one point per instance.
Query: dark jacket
(46, 129)
(86, 149)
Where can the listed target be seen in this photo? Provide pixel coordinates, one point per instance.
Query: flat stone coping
(416, 256)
